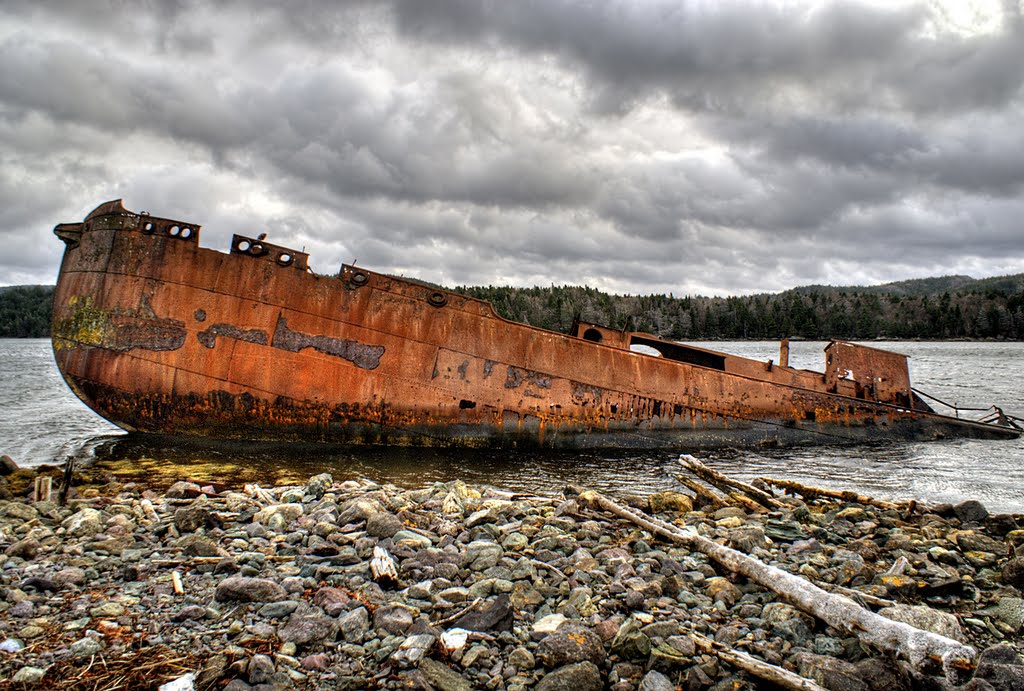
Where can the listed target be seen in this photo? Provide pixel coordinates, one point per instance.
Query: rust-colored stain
(158, 334)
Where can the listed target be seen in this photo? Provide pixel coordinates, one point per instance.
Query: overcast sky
(635, 146)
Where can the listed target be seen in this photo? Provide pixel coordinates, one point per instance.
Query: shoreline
(277, 587)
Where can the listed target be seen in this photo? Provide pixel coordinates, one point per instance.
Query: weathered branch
(812, 493)
(383, 568)
(727, 483)
(759, 668)
(839, 612)
(702, 491)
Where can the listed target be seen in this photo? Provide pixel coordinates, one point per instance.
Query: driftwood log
(383, 568)
(709, 496)
(727, 484)
(782, 678)
(919, 647)
(812, 493)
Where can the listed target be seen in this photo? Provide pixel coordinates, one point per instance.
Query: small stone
(443, 677)
(278, 610)
(383, 524)
(522, 659)
(84, 523)
(260, 669)
(971, 511)
(7, 465)
(496, 615)
(29, 676)
(107, 610)
(656, 681)
(354, 625)
(670, 501)
(85, 647)
(286, 512)
(481, 555)
(333, 601)
(581, 676)
(189, 519)
(572, 642)
(308, 630)
(243, 589)
(1008, 610)
(393, 619)
(630, 643)
(183, 490)
(1013, 573)
(24, 549)
(315, 662)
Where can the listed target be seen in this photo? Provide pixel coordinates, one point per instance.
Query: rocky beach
(354, 585)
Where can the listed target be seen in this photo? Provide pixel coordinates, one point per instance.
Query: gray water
(41, 421)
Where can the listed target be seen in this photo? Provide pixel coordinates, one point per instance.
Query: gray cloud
(634, 146)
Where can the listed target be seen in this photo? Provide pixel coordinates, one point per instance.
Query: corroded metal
(158, 334)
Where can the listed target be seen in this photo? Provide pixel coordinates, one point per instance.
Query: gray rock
(196, 546)
(27, 548)
(333, 601)
(572, 642)
(481, 555)
(656, 681)
(1013, 573)
(86, 523)
(85, 647)
(20, 511)
(308, 630)
(630, 643)
(443, 677)
(581, 676)
(183, 490)
(319, 484)
(71, 575)
(496, 615)
(260, 669)
(243, 589)
(1009, 610)
(383, 524)
(29, 676)
(394, 619)
(189, 519)
(971, 511)
(278, 610)
(354, 625)
(7, 465)
(522, 659)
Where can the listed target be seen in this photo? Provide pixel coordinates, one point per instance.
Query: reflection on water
(42, 422)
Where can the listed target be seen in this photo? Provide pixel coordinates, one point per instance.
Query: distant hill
(944, 307)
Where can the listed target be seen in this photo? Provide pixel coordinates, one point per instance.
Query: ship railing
(994, 415)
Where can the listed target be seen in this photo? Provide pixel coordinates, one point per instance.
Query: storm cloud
(644, 146)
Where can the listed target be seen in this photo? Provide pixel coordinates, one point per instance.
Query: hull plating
(160, 335)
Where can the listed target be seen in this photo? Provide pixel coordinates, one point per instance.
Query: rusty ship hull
(158, 334)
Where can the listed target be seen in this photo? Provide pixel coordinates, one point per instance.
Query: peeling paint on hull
(160, 335)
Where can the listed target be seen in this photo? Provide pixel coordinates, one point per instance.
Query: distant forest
(25, 311)
(949, 307)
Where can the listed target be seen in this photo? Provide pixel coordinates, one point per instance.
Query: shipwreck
(160, 335)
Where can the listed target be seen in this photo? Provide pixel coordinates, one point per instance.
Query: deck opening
(593, 335)
(682, 353)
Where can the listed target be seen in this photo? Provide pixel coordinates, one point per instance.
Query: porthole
(285, 259)
(257, 249)
(186, 233)
(359, 279)
(174, 231)
(147, 228)
(243, 245)
(437, 299)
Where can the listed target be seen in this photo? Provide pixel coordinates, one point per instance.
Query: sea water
(41, 421)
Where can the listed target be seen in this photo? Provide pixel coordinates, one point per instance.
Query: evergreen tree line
(928, 309)
(970, 313)
(25, 311)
